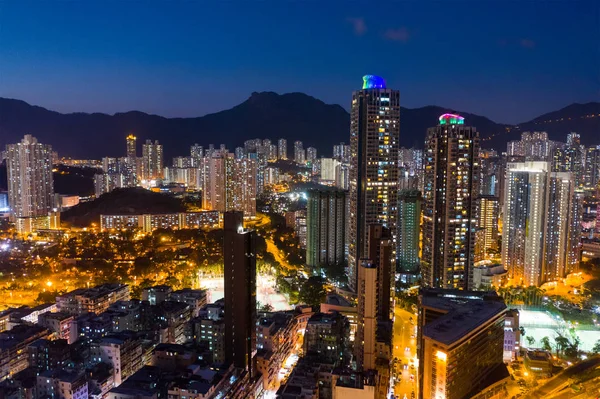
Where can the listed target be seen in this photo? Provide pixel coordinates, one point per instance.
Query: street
(406, 366)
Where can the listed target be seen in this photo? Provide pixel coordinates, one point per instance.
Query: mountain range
(293, 116)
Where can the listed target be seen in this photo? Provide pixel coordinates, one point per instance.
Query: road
(562, 379)
(407, 364)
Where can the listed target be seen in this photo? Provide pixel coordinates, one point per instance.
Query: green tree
(596, 348)
(313, 291)
(562, 343)
(546, 344)
(530, 340)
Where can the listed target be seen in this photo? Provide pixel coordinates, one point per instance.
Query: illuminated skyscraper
(131, 146)
(239, 258)
(311, 154)
(30, 183)
(592, 168)
(373, 180)
(326, 228)
(299, 153)
(540, 236)
(451, 188)
(409, 229)
(152, 160)
(487, 226)
(229, 184)
(282, 149)
(197, 153)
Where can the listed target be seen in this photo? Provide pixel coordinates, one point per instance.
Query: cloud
(527, 43)
(397, 35)
(358, 25)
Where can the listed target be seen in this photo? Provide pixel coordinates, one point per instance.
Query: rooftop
(463, 313)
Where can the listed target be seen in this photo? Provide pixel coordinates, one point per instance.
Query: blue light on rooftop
(373, 82)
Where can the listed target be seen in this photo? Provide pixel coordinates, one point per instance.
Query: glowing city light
(441, 355)
(373, 82)
(451, 119)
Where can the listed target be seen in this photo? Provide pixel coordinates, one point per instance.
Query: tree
(596, 348)
(562, 343)
(313, 291)
(530, 340)
(522, 331)
(546, 344)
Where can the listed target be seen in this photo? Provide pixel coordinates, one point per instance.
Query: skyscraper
(30, 183)
(409, 229)
(539, 237)
(373, 180)
(197, 153)
(239, 257)
(152, 160)
(374, 291)
(311, 154)
(229, 184)
(326, 228)
(592, 168)
(282, 149)
(131, 147)
(487, 226)
(450, 203)
(299, 153)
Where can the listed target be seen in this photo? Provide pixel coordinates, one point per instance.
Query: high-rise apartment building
(460, 344)
(229, 184)
(239, 256)
(282, 149)
(409, 230)
(450, 203)
(539, 240)
(131, 146)
(197, 153)
(533, 146)
(326, 228)
(341, 152)
(372, 345)
(592, 168)
(311, 154)
(152, 160)
(30, 183)
(373, 174)
(570, 158)
(299, 153)
(486, 237)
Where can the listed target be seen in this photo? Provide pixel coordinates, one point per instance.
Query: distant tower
(451, 163)
(299, 153)
(311, 154)
(30, 182)
(152, 160)
(282, 149)
(239, 256)
(131, 147)
(374, 144)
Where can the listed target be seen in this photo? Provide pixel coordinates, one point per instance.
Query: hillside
(293, 116)
(121, 201)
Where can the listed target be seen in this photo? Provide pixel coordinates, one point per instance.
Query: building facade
(30, 182)
(326, 228)
(239, 256)
(540, 242)
(409, 231)
(373, 174)
(450, 203)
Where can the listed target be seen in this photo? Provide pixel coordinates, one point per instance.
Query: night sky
(508, 60)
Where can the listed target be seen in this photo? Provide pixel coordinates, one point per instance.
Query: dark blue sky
(508, 60)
